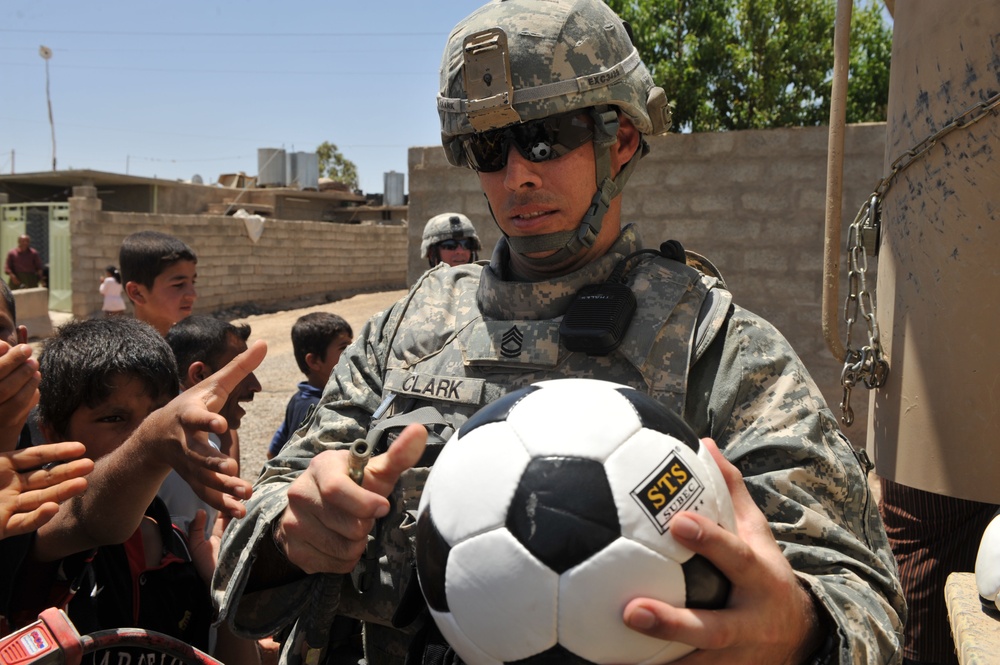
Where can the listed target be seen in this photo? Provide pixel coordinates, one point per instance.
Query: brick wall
(751, 201)
(291, 264)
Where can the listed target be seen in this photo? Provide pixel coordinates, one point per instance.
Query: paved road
(278, 374)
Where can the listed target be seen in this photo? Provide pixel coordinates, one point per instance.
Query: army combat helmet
(512, 62)
(447, 226)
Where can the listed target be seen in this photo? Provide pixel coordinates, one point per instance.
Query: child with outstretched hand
(34, 481)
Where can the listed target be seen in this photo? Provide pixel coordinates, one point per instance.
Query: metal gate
(48, 226)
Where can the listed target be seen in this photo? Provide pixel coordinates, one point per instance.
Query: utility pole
(46, 54)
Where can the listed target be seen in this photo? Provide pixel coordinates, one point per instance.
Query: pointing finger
(222, 383)
(383, 472)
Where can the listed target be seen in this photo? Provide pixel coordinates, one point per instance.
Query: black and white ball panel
(483, 470)
(591, 600)
(481, 597)
(653, 416)
(549, 510)
(592, 419)
(563, 511)
(495, 411)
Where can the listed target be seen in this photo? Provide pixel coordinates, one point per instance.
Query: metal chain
(868, 364)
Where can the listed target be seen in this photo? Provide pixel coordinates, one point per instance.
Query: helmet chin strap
(571, 243)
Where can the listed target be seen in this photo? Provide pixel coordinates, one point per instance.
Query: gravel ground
(279, 375)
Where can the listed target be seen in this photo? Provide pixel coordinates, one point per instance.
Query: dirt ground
(279, 375)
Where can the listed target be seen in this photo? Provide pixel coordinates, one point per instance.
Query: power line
(172, 51)
(185, 161)
(254, 72)
(269, 35)
(215, 137)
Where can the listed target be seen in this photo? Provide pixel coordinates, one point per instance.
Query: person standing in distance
(24, 265)
(111, 290)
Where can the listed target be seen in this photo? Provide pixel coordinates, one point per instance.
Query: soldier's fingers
(321, 546)
(752, 523)
(325, 496)
(384, 470)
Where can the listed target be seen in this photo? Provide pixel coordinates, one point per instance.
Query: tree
(871, 51)
(742, 64)
(681, 41)
(335, 166)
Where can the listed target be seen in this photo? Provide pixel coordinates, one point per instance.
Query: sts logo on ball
(669, 490)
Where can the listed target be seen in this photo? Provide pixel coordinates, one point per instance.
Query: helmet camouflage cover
(512, 61)
(445, 226)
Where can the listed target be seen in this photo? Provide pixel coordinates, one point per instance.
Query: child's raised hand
(19, 379)
(204, 550)
(191, 416)
(30, 494)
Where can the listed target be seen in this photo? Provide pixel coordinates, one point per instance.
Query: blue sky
(171, 89)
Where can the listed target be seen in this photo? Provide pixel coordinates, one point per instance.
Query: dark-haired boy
(111, 556)
(33, 481)
(202, 345)
(159, 272)
(29, 495)
(318, 339)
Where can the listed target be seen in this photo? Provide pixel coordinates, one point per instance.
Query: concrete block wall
(291, 264)
(751, 201)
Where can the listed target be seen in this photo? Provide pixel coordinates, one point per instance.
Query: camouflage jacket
(463, 336)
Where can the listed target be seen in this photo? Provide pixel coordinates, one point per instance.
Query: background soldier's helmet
(513, 61)
(445, 226)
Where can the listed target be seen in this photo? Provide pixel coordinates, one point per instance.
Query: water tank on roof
(303, 170)
(271, 167)
(393, 189)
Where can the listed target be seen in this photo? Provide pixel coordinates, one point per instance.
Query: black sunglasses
(452, 244)
(536, 141)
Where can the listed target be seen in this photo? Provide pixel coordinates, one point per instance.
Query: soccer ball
(549, 510)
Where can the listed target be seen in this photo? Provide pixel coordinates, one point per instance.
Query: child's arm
(19, 379)
(229, 648)
(125, 480)
(29, 494)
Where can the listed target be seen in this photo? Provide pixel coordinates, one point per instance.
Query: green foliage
(742, 64)
(335, 166)
(871, 51)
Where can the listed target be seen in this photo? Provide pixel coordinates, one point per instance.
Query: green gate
(48, 226)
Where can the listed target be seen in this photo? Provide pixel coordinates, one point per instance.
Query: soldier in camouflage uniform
(450, 238)
(549, 101)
